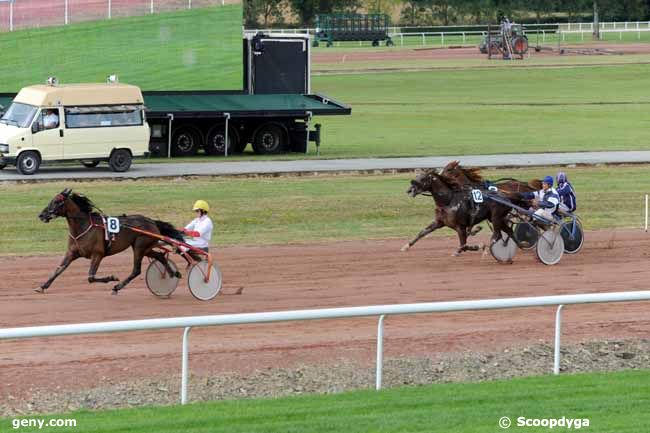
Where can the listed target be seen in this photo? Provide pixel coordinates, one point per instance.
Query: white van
(85, 122)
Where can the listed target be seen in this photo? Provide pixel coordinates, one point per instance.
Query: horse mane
(458, 176)
(84, 203)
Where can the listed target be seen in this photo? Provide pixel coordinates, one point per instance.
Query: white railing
(106, 5)
(329, 313)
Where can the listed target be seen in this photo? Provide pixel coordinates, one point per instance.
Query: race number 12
(477, 195)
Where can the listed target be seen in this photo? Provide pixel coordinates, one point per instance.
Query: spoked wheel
(503, 250)
(550, 247)
(572, 235)
(158, 280)
(201, 289)
(526, 235)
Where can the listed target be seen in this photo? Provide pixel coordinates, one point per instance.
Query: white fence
(330, 313)
(29, 13)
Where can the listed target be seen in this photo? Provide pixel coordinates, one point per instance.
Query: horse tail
(167, 229)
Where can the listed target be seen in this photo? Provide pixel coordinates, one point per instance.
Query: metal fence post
(184, 366)
(558, 329)
(11, 16)
(189, 4)
(109, 9)
(65, 12)
(151, 7)
(380, 352)
(225, 148)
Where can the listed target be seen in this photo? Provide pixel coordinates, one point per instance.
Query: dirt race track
(297, 277)
(343, 56)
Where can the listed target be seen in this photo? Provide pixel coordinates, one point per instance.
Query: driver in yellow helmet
(200, 229)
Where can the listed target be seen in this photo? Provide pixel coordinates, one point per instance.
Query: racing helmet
(561, 177)
(201, 205)
(548, 180)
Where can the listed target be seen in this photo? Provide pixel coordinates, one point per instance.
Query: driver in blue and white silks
(546, 200)
(567, 193)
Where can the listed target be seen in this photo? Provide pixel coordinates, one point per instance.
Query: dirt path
(298, 277)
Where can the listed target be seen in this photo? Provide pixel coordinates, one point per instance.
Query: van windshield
(19, 114)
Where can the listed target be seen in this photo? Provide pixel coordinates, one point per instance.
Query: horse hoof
(114, 278)
(405, 248)
(114, 292)
(39, 290)
(456, 254)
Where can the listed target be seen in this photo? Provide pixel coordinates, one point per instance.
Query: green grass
(612, 402)
(194, 49)
(508, 110)
(258, 211)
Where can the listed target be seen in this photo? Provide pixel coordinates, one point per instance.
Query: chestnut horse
(87, 238)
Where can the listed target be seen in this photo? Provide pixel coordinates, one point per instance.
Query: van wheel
(120, 160)
(28, 163)
(90, 164)
(185, 142)
(2, 166)
(216, 141)
(269, 139)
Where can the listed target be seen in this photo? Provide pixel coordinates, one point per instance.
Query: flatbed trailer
(185, 122)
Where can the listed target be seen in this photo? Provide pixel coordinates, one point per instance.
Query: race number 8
(477, 195)
(113, 225)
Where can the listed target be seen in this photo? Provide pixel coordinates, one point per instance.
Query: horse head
(429, 181)
(56, 206)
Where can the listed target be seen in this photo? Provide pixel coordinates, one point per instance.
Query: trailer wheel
(185, 141)
(269, 139)
(216, 143)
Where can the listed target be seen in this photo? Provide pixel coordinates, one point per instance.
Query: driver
(546, 200)
(199, 229)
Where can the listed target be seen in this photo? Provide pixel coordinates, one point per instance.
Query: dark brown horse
(455, 209)
(87, 237)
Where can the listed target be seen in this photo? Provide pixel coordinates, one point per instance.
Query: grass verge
(610, 402)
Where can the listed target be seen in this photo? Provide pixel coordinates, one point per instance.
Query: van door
(47, 134)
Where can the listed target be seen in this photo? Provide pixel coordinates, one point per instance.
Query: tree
(306, 10)
(269, 11)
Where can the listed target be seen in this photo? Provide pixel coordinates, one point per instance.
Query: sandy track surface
(311, 276)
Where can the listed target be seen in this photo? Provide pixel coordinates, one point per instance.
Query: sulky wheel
(526, 235)
(158, 280)
(550, 247)
(200, 289)
(503, 250)
(572, 235)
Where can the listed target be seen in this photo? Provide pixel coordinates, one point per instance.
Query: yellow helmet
(202, 205)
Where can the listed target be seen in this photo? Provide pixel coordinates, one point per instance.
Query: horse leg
(157, 255)
(95, 260)
(69, 258)
(462, 239)
(138, 255)
(474, 231)
(428, 229)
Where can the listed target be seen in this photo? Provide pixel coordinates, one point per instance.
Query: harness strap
(91, 225)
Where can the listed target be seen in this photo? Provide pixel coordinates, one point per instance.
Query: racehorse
(456, 210)
(88, 237)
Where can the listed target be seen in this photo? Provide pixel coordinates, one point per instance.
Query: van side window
(103, 116)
